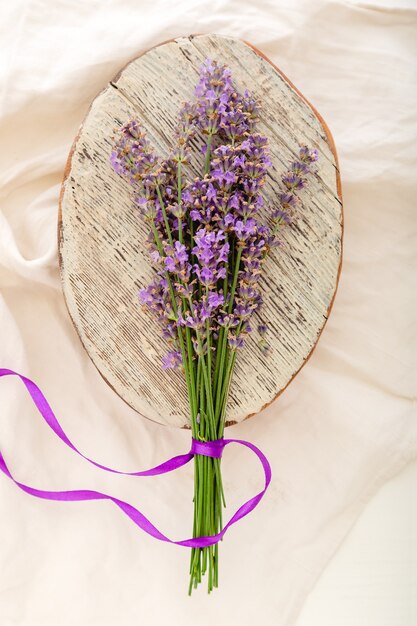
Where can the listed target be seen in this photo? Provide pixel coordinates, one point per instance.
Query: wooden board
(104, 262)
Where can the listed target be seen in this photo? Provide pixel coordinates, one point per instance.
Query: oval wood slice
(104, 261)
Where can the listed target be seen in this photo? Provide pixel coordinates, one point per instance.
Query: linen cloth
(345, 425)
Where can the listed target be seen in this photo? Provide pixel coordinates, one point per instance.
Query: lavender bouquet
(208, 245)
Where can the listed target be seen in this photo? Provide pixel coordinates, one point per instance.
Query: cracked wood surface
(104, 262)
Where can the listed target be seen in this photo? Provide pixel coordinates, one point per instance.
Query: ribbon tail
(48, 415)
(132, 512)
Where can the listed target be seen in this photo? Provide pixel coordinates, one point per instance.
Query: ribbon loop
(206, 448)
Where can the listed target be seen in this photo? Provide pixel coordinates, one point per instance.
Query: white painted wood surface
(104, 262)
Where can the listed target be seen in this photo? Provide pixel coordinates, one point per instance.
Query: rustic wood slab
(104, 262)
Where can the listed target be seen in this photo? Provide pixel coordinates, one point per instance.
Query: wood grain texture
(104, 262)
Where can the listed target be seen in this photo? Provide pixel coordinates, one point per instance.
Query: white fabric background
(372, 578)
(343, 427)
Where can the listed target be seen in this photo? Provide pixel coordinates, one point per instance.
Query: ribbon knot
(208, 448)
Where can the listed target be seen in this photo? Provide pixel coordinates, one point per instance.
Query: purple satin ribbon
(206, 448)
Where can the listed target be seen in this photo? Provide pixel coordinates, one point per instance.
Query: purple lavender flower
(288, 200)
(170, 264)
(293, 181)
(235, 342)
(281, 217)
(155, 256)
(299, 167)
(146, 296)
(180, 253)
(211, 251)
(243, 311)
(172, 360)
(220, 109)
(207, 276)
(215, 299)
(227, 321)
(308, 155)
(133, 155)
(244, 230)
(176, 260)
(227, 222)
(213, 91)
(197, 317)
